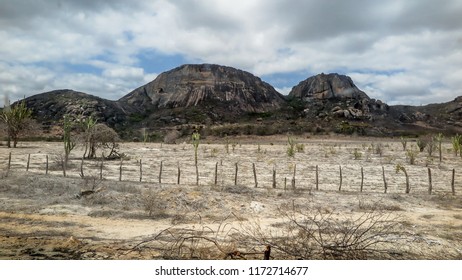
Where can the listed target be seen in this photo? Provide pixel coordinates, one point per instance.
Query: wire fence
(300, 176)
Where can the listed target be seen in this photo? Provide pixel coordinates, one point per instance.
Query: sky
(398, 51)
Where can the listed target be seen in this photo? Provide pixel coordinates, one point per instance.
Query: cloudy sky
(398, 51)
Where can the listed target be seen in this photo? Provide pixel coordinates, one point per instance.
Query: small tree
(88, 127)
(403, 143)
(290, 147)
(106, 139)
(456, 141)
(69, 143)
(422, 143)
(16, 119)
(196, 137)
(439, 139)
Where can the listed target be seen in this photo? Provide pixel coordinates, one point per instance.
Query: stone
(328, 86)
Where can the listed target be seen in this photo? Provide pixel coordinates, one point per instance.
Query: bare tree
(107, 140)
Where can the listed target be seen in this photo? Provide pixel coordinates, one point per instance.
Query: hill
(223, 101)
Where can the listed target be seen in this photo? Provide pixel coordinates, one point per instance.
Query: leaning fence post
(81, 168)
(160, 172)
(341, 178)
(384, 179)
(9, 165)
(235, 174)
(453, 182)
(255, 175)
(317, 178)
(216, 174)
(28, 162)
(430, 187)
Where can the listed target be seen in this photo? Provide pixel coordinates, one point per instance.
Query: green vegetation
(456, 143)
(195, 141)
(69, 143)
(16, 118)
(439, 140)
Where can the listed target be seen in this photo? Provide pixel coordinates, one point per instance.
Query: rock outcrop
(338, 97)
(195, 85)
(328, 86)
(50, 107)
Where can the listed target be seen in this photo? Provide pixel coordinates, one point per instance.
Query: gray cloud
(416, 43)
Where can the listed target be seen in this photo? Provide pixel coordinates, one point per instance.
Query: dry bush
(171, 137)
(198, 242)
(153, 204)
(370, 205)
(317, 234)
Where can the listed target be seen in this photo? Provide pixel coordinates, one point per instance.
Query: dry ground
(48, 216)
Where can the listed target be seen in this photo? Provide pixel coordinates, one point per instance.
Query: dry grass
(229, 220)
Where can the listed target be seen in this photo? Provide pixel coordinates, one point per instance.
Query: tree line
(16, 121)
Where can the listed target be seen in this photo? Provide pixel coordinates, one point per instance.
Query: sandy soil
(48, 216)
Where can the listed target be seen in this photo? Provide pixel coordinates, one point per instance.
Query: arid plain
(326, 201)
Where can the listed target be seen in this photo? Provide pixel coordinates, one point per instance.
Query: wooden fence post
(63, 164)
(9, 165)
(267, 253)
(317, 178)
(46, 167)
(235, 174)
(341, 178)
(430, 187)
(293, 178)
(255, 175)
(216, 174)
(81, 168)
(453, 182)
(120, 170)
(274, 177)
(179, 174)
(28, 162)
(362, 179)
(160, 172)
(141, 170)
(384, 179)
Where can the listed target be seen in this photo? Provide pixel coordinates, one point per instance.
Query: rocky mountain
(228, 101)
(193, 85)
(50, 107)
(327, 86)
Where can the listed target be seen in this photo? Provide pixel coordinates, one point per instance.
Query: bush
(320, 234)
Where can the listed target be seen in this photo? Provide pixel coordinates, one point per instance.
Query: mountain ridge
(212, 96)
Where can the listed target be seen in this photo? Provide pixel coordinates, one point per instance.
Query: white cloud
(398, 51)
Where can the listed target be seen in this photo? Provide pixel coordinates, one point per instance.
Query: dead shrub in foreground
(317, 234)
(196, 242)
(312, 234)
